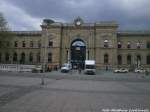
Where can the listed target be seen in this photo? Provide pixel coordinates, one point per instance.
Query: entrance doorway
(78, 53)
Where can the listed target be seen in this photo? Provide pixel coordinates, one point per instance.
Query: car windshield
(90, 66)
(66, 65)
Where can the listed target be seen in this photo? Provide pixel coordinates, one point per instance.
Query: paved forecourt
(25, 94)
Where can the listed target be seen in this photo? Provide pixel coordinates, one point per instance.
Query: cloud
(130, 14)
(135, 8)
(19, 19)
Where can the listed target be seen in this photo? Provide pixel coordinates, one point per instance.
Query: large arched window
(148, 59)
(16, 44)
(78, 43)
(128, 45)
(0, 44)
(31, 57)
(106, 59)
(50, 44)
(138, 57)
(39, 43)
(106, 43)
(119, 45)
(15, 57)
(49, 57)
(7, 44)
(38, 57)
(0, 57)
(22, 60)
(31, 44)
(7, 57)
(138, 45)
(129, 59)
(119, 59)
(148, 45)
(23, 44)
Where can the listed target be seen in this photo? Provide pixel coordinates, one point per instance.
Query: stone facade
(102, 41)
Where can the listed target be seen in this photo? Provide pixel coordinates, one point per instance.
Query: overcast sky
(28, 14)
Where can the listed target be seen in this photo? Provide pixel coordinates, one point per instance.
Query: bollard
(42, 80)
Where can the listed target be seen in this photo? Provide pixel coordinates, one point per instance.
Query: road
(25, 94)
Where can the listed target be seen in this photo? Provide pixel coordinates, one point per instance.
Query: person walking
(146, 73)
(79, 69)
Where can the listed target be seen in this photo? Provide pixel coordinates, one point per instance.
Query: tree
(5, 33)
(3, 23)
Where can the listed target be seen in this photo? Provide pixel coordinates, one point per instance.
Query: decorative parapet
(27, 33)
(78, 22)
(106, 23)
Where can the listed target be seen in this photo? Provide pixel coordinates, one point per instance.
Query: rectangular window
(8, 44)
(15, 57)
(119, 45)
(106, 59)
(148, 45)
(138, 45)
(50, 44)
(23, 44)
(31, 58)
(0, 44)
(148, 59)
(0, 57)
(129, 59)
(38, 58)
(39, 44)
(119, 59)
(106, 45)
(31, 44)
(128, 46)
(16, 44)
(7, 57)
(49, 57)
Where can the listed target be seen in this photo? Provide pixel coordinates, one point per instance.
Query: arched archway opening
(78, 53)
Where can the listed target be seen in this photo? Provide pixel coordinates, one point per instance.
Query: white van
(90, 67)
(66, 67)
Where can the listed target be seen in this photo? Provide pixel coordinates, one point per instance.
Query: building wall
(94, 37)
(143, 51)
(27, 37)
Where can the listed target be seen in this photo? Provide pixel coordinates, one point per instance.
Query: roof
(133, 33)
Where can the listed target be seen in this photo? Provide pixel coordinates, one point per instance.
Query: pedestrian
(146, 73)
(107, 68)
(56, 68)
(79, 69)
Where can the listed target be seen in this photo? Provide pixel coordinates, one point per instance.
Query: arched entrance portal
(78, 53)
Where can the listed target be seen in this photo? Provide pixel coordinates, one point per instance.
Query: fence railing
(19, 68)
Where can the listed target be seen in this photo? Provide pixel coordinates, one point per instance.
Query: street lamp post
(44, 61)
(42, 80)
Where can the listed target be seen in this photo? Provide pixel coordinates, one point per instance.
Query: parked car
(66, 67)
(121, 70)
(139, 70)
